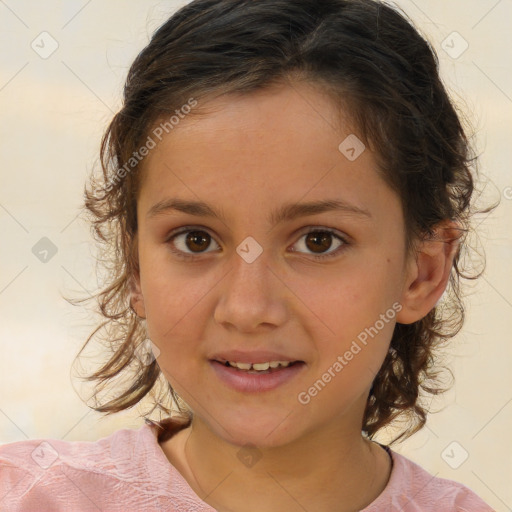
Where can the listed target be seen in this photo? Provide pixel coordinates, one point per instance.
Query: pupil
(198, 238)
(322, 238)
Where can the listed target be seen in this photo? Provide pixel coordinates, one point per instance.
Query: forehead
(277, 145)
(275, 111)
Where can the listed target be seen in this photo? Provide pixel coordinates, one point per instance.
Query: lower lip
(255, 382)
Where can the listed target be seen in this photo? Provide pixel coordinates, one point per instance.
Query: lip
(245, 382)
(260, 356)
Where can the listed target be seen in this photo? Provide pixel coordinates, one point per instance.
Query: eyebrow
(286, 212)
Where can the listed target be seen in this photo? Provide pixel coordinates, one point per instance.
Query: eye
(319, 240)
(190, 243)
(197, 240)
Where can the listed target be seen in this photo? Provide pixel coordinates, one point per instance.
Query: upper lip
(257, 356)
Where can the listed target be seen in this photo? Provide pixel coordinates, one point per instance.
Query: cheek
(171, 305)
(172, 294)
(353, 320)
(346, 301)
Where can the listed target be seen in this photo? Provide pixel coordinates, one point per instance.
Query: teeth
(259, 366)
(242, 366)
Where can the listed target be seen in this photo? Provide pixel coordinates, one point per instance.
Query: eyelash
(189, 229)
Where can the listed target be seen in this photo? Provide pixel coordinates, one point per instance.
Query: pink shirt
(128, 471)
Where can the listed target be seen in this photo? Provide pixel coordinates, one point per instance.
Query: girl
(284, 197)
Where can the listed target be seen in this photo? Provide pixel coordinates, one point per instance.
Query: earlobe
(136, 297)
(428, 275)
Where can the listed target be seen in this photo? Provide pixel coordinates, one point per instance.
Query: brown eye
(319, 241)
(197, 240)
(190, 242)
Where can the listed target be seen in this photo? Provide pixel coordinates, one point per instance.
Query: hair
(374, 64)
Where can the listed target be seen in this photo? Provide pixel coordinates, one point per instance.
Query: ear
(428, 272)
(136, 297)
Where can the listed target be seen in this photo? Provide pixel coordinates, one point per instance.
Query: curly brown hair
(371, 60)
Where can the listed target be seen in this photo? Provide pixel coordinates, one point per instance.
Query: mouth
(258, 368)
(256, 377)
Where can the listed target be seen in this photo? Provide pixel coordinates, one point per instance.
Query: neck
(330, 469)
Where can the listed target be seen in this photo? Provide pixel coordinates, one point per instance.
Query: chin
(263, 431)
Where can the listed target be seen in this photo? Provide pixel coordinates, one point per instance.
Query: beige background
(53, 112)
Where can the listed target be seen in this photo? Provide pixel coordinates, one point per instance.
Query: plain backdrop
(62, 68)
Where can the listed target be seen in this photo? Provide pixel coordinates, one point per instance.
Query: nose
(252, 295)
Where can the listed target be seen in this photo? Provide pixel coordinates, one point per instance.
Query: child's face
(248, 158)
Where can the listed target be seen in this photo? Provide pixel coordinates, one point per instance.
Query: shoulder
(413, 489)
(126, 470)
(36, 456)
(40, 471)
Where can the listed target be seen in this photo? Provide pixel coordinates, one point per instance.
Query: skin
(247, 156)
